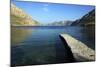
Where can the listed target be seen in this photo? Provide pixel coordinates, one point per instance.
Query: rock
(80, 51)
(20, 18)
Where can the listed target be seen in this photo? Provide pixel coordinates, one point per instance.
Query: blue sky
(50, 12)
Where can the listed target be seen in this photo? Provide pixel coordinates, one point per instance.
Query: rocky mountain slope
(86, 20)
(61, 23)
(20, 18)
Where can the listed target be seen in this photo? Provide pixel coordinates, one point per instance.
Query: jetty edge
(81, 51)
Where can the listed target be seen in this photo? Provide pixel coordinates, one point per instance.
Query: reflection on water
(88, 37)
(42, 45)
(19, 35)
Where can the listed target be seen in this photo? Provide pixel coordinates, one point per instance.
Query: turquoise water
(42, 45)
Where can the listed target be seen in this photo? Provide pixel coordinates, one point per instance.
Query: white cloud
(45, 9)
(46, 5)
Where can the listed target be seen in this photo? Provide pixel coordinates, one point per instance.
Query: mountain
(20, 18)
(86, 20)
(60, 23)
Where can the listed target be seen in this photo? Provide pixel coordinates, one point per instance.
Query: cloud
(45, 9)
(46, 5)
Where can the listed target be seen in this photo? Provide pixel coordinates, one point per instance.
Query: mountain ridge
(87, 20)
(60, 23)
(20, 18)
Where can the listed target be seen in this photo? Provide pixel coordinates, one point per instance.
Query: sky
(50, 12)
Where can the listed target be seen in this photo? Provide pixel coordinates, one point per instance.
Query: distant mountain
(86, 20)
(20, 18)
(60, 23)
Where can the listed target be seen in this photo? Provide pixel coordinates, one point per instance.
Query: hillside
(20, 18)
(60, 23)
(86, 20)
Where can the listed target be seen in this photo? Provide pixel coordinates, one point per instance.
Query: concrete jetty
(81, 51)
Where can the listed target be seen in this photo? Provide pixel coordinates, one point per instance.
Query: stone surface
(80, 51)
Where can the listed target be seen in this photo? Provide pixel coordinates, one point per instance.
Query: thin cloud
(46, 5)
(45, 9)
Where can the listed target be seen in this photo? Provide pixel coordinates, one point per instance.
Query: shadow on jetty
(69, 55)
(77, 50)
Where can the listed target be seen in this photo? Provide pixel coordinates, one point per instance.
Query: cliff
(20, 18)
(86, 20)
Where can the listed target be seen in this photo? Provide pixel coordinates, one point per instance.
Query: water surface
(42, 45)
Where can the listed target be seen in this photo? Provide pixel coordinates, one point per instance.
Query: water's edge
(80, 51)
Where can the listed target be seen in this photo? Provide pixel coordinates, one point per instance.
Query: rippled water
(42, 45)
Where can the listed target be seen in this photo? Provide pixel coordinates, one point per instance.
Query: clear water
(42, 45)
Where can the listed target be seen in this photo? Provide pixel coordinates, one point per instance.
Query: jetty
(80, 51)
